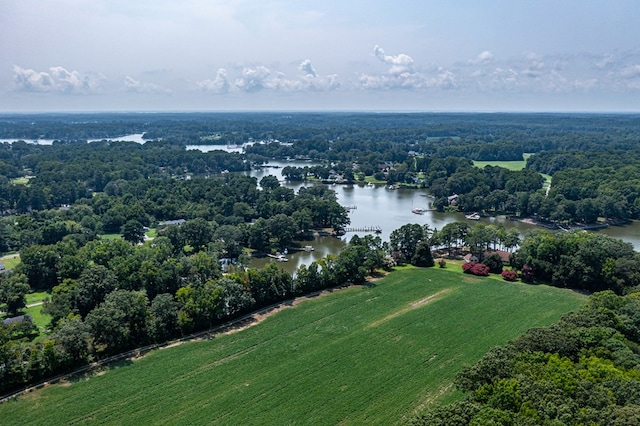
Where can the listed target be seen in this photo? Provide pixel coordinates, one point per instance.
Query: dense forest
(582, 370)
(77, 213)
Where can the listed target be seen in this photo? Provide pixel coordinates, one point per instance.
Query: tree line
(581, 370)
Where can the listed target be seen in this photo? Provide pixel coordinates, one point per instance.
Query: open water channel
(389, 210)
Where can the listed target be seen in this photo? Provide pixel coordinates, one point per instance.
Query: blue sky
(491, 55)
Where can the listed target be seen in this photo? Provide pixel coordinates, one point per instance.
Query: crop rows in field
(360, 355)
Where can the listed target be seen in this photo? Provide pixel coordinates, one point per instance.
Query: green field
(10, 261)
(375, 354)
(510, 165)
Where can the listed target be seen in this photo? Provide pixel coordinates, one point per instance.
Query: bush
(474, 268)
(466, 267)
(442, 263)
(494, 262)
(509, 275)
(527, 274)
(480, 269)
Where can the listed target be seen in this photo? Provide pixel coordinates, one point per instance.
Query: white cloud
(401, 75)
(254, 79)
(444, 80)
(258, 78)
(630, 71)
(220, 84)
(57, 79)
(307, 68)
(401, 63)
(135, 86)
(483, 58)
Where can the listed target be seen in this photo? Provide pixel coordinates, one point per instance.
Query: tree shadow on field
(98, 371)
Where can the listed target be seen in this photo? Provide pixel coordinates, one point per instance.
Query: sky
(367, 55)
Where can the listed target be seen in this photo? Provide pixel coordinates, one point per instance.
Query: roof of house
(14, 320)
(172, 222)
(504, 255)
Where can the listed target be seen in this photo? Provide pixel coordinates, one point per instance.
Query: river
(389, 210)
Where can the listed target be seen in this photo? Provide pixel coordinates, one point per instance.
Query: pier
(375, 229)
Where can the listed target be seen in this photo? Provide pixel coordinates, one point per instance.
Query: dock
(279, 257)
(376, 229)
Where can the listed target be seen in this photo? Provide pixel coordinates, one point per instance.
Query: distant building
(177, 222)
(453, 199)
(15, 320)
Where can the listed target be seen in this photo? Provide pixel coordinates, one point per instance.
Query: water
(137, 137)
(390, 209)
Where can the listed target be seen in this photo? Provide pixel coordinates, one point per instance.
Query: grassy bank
(371, 354)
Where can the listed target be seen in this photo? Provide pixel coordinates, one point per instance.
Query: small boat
(417, 211)
(370, 185)
(308, 248)
(472, 216)
(392, 187)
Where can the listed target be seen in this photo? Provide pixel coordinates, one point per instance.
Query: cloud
(220, 84)
(401, 63)
(307, 69)
(630, 71)
(258, 78)
(483, 58)
(254, 79)
(401, 75)
(56, 79)
(135, 86)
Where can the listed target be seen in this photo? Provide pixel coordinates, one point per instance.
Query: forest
(77, 213)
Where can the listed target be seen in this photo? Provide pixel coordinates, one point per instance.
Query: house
(177, 222)
(15, 320)
(453, 199)
(504, 255)
(470, 258)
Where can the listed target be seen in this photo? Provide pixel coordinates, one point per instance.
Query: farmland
(372, 354)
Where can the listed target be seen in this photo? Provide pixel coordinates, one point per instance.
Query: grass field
(510, 165)
(361, 355)
(10, 261)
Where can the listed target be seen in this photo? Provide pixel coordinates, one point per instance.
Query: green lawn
(10, 261)
(20, 181)
(37, 297)
(375, 354)
(40, 319)
(511, 165)
(110, 236)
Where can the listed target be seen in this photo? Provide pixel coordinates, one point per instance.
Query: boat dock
(376, 229)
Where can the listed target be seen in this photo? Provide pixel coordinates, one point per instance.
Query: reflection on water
(390, 209)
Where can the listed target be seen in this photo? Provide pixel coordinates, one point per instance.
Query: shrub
(442, 263)
(480, 269)
(474, 268)
(494, 262)
(527, 274)
(466, 267)
(509, 275)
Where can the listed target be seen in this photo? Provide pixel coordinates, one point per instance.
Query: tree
(406, 238)
(163, 318)
(133, 231)
(269, 182)
(494, 263)
(120, 322)
(236, 297)
(197, 233)
(13, 290)
(93, 286)
(423, 256)
(73, 335)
